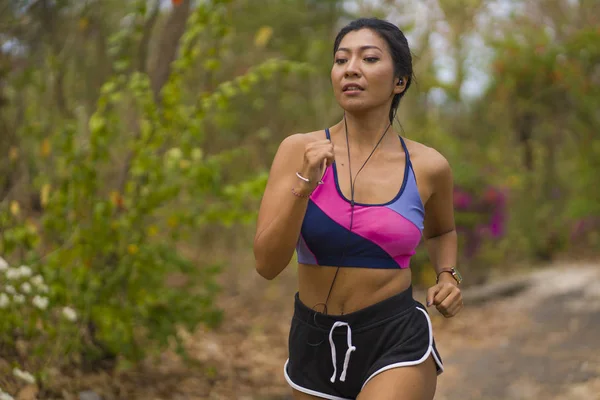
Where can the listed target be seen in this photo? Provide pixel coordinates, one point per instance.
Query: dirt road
(540, 343)
(543, 343)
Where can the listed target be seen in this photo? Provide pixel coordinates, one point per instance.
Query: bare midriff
(354, 288)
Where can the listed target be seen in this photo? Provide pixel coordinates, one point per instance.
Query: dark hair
(397, 43)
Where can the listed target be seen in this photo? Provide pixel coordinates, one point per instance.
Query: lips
(352, 87)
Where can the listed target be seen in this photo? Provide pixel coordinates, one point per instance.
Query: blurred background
(135, 141)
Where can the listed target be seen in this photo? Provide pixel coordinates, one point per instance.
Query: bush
(108, 235)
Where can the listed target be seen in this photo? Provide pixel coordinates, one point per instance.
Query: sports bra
(383, 236)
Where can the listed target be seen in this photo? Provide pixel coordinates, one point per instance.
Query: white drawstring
(348, 352)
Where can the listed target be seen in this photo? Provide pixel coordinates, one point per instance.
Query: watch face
(457, 275)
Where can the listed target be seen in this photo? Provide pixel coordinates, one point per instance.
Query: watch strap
(451, 271)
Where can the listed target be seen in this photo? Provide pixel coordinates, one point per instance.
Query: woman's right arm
(281, 212)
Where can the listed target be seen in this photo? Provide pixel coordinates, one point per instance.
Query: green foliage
(113, 180)
(122, 193)
(550, 83)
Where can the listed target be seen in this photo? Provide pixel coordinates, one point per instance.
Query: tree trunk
(168, 46)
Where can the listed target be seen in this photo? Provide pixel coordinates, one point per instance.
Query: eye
(371, 59)
(340, 60)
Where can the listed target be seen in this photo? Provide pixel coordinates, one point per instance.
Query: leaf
(15, 209)
(116, 199)
(152, 230)
(46, 148)
(262, 37)
(212, 64)
(133, 249)
(45, 194)
(197, 154)
(96, 123)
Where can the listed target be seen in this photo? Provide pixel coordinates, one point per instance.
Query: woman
(357, 332)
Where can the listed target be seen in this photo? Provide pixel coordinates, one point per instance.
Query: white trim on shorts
(429, 351)
(306, 390)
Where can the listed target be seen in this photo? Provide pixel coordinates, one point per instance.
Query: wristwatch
(455, 274)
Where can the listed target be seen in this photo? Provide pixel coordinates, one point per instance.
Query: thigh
(303, 396)
(417, 382)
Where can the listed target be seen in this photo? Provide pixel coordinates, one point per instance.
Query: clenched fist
(318, 155)
(446, 297)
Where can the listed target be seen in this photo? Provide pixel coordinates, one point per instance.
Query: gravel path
(543, 343)
(540, 343)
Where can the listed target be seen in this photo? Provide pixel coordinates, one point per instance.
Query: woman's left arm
(440, 237)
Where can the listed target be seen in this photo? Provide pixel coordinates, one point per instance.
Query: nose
(352, 67)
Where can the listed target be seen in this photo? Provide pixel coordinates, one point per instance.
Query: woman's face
(363, 72)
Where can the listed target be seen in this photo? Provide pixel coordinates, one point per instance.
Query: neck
(365, 130)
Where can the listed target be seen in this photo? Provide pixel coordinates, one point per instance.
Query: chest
(377, 182)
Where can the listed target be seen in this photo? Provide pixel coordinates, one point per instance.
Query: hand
(318, 155)
(446, 297)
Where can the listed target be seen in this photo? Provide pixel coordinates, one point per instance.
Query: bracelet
(306, 179)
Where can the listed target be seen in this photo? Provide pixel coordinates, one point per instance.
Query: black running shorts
(334, 356)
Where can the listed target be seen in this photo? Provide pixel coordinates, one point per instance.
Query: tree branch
(146, 35)
(167, 51)
(168, 46)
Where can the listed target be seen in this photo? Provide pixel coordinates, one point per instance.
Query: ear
(400, 84)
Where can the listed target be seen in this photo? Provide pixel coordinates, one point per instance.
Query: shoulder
(298, 141)
(429, 162)
(291, 150)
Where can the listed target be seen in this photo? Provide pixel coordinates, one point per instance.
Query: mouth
(352, 87)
